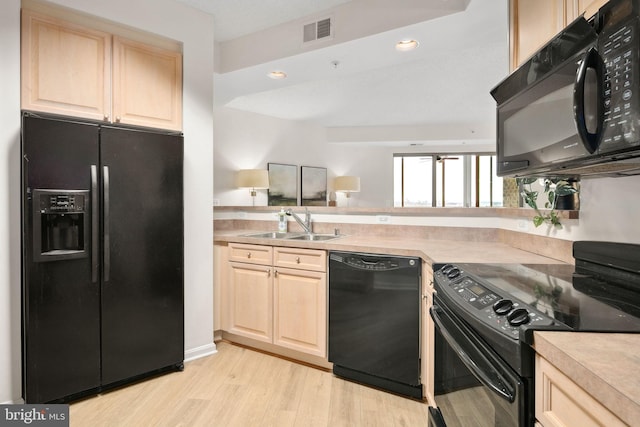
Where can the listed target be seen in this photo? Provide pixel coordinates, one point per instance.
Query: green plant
(553, 188)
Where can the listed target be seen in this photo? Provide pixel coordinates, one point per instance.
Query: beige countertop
(432, 251)
(607, 366)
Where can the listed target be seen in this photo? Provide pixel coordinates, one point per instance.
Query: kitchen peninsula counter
(432, 251)
(607, 366)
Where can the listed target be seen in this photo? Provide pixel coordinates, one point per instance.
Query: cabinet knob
(106, 117)
(297, 260)
(248, 254)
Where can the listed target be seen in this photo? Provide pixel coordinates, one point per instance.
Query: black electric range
(484, 316)
(505, 303)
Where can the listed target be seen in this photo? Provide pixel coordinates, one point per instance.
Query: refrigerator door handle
(94, 224)
(105, 227)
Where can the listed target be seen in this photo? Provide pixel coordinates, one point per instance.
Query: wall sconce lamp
(255, 179)
(347, 185)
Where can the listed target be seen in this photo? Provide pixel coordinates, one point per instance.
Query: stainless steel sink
(271, 235)
(314, 237)
(291, 236)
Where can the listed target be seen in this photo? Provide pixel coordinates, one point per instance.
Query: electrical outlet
(242, 215)
(523, 224)
(383, 219)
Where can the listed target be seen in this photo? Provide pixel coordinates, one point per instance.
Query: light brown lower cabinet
(300, 314)
(560, 402)
(251, 298)
(277, 295)
(428, 331)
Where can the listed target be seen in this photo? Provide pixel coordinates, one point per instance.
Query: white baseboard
(198, 352)
(18, 401)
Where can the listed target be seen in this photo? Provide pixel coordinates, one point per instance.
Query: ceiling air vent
(317, 30)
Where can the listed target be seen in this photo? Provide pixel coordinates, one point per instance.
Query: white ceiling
(235, 18)
(437, 92)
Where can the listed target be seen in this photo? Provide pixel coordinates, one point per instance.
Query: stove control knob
(453, 273)
(518, 317)
(446, 269)
(502, 307)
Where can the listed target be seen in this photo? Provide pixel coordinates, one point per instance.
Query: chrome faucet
(306, 224)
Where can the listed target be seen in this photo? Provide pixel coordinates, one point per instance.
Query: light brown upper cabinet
(147, 85)
(589, 7)
(76, 71)
(535, 22)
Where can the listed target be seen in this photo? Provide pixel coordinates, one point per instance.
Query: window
(446, 180)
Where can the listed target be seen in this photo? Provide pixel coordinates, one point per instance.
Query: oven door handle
(479, 365)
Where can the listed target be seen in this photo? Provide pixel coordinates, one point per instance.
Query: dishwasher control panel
(373, 262)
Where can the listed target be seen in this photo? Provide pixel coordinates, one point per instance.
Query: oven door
(472, 384)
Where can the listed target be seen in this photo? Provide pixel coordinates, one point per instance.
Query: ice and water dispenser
(60, 224)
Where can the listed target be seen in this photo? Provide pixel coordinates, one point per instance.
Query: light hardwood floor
(242, 387)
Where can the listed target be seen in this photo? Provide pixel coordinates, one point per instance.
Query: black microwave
(573, 107)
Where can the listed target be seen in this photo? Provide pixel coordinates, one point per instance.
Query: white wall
(10, 373)
(166, 18)
(248, 140)
(609, 210)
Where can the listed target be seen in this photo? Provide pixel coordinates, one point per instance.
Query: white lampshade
(252, 178)
(347, 184)
(255, 179)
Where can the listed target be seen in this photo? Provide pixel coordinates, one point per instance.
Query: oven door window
(473, 386)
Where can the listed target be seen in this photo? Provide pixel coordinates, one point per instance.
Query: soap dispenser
(282, 221)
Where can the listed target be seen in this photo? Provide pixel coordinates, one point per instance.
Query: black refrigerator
(102, 256)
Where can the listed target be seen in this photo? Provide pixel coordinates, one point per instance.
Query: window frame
(468, 177)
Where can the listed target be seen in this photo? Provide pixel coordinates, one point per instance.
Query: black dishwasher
(374, 320)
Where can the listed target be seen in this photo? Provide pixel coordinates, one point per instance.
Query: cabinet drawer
(253, 254)
(562, 403)
(306, 259)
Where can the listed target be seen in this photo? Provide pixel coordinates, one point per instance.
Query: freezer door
(61, 306)
(142, 290)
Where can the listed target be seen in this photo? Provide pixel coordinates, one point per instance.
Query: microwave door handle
(473, 358)
(591, 61)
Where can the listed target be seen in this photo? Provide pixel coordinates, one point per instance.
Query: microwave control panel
(618, 47)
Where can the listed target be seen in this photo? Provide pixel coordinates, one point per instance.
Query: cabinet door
(589, 7)
(427, 350)
(147, 85)
(300, 307)
(307, 259)
(65, 68)
(220, 287)
(251, 301)
(533, 23)
(252, 254)
(559, 402)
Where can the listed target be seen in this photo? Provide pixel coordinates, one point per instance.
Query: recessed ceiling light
(277, 75)
(406, 45)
